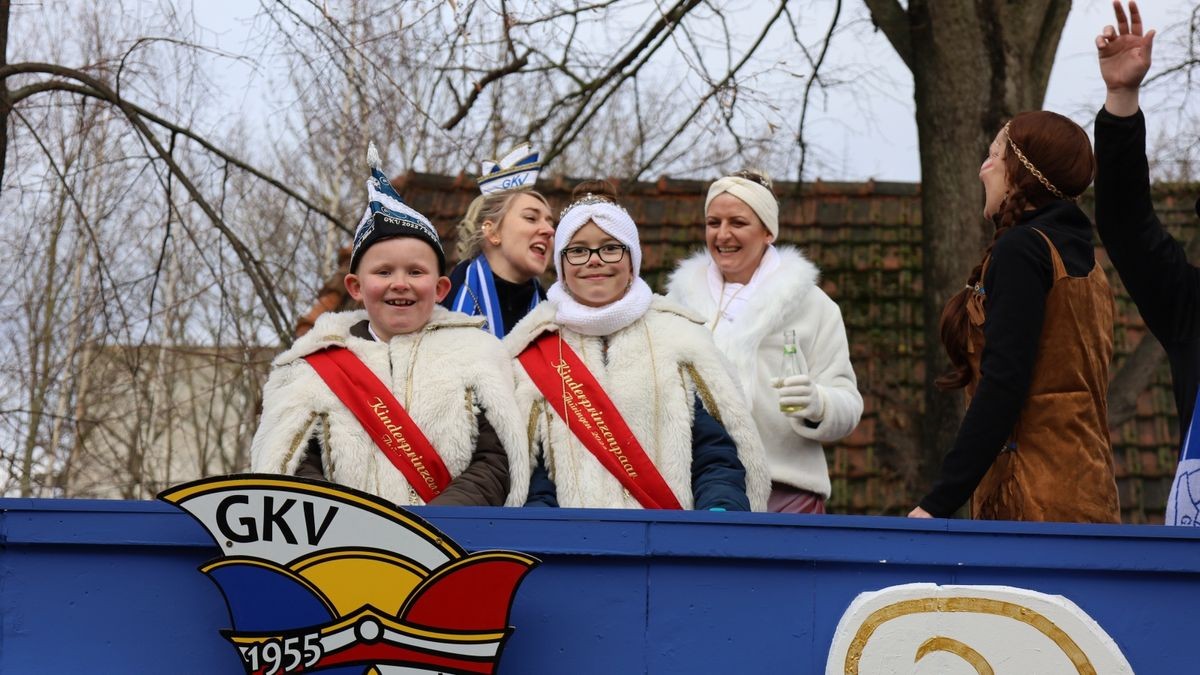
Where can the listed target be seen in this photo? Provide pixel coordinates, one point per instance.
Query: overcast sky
(866, 129)
(884, 146)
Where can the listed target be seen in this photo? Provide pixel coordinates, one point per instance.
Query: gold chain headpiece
(1033, 169)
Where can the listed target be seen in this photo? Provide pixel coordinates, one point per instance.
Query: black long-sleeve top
(1015, 286)
(1151, 263)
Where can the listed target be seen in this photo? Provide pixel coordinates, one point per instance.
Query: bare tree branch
(1167, 73)
(813, 78)
(612, 78)
(5, 102)
(264, 287)
(80, 212)
(574, 11)
(18, 95)
(716, 89)
(491, 76)
(889, 17)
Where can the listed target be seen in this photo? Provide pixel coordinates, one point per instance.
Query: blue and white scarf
(1183, 505)
(477, 296)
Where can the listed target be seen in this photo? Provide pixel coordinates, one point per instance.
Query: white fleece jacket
(441, 374)
(652, 370)
(786, 299)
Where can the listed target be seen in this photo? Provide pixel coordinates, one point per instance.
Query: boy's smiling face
(398, 284)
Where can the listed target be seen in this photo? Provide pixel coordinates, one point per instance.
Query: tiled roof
(865, 237)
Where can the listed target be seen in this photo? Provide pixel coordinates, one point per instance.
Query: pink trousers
(788, 499)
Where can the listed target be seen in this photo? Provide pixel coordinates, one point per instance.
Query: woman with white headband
(629, 404)
(751, 293)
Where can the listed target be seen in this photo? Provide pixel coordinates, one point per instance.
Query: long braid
(1048, 158)
(954, 322)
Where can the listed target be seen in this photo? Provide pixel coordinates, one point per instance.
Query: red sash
(383, 418)
(577, 397)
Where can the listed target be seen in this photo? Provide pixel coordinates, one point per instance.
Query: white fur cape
(442, 375)
(652, 370)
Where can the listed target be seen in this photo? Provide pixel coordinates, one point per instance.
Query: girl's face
(994, 175)
(519, 246)
(735, 237)
(597, 282)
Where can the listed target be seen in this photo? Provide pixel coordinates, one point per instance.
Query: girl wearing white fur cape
(406, 400)
(628, 402)
(750, 292)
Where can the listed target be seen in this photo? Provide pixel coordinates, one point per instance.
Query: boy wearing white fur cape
(405, 399)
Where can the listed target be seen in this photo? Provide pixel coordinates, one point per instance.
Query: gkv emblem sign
(321, 578)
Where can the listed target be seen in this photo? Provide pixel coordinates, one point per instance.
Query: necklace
(723, 304)
(478, 309)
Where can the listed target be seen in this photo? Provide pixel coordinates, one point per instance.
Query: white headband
(613, 219)
(754, 195)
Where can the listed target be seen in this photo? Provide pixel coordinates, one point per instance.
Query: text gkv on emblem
(245, 526)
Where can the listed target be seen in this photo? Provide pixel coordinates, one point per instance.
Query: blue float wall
(113, 587)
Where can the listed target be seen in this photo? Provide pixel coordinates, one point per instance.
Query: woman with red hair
(1030, 338)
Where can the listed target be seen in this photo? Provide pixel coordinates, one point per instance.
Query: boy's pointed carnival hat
(515, 170)
(387, 216)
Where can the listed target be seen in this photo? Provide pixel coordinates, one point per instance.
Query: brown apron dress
(1057, 465)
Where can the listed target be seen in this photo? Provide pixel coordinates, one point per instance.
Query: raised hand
(1125, 55)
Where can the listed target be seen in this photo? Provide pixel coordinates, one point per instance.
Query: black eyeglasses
(580, 255)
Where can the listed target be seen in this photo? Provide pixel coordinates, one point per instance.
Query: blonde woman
(750, 292)
(505, 242)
